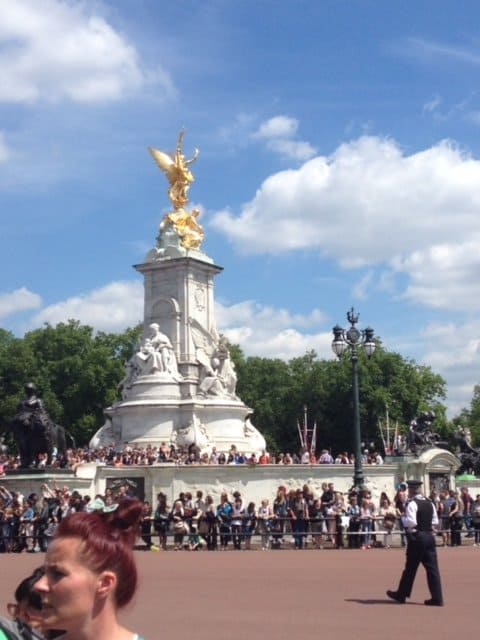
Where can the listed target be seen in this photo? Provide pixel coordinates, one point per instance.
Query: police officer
(419, 519)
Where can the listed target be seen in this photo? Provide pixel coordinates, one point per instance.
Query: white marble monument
(180, 385)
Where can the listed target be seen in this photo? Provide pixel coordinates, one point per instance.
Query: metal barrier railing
(315, 532)
(273, 532)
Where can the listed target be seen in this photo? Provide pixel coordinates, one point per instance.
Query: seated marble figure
(155, 357)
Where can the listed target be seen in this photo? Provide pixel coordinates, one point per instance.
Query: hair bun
(124, 522)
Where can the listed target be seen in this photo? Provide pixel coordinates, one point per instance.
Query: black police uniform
(421, 548)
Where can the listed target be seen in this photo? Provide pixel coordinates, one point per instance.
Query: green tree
(264, 386)
(76, 371)
(78, 374)
(17, 365)
(278, 391)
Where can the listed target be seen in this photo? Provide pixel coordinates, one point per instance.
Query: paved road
(288, 595)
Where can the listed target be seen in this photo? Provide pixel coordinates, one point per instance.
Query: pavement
(285, 594)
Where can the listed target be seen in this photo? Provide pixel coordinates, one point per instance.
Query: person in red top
(264, 458)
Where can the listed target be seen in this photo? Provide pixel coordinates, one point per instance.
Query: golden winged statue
(176, 168)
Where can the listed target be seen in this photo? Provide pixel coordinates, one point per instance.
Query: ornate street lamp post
(351, 339)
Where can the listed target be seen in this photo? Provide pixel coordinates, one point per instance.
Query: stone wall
(254, 483)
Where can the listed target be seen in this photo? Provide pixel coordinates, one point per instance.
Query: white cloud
(370, 204)
(432, 104)
(443, 275)
(114, 307)
(277, 127)
(386, 282)
(442, 112)
(4, 150)
(236, 134)
(431, 51)
(267, 315)
(293, 149)
(17, 301)
(272, 333)
(361, 289)
(453, 351)
(473, 116)
(278, 133)
(53, 50)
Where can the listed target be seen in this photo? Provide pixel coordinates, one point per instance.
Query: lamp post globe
(351, 340)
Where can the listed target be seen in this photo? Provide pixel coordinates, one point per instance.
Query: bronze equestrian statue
(421, 435)
(35, 432)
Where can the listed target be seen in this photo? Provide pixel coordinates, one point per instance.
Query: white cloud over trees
(270, 332)
(17, 301)
(111, 308)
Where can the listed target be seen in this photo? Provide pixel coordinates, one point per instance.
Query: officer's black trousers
(421, 548)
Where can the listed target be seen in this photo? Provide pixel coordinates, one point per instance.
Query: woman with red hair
(90, 572)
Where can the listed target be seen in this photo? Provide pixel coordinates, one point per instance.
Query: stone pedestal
(177, 290)
(180, 386)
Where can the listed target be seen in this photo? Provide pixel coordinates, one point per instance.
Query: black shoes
(394, 595)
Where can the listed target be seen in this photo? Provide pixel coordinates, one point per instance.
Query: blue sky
(339, 165)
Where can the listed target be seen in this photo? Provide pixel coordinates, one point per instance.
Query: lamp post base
(358, 481)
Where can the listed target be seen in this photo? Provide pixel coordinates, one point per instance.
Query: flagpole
(388, 428)
(305, 432)
(300, 434)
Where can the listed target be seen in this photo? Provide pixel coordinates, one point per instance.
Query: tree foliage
(77, 372)
(278, 391)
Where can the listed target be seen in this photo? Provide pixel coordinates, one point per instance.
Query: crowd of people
(298, 518)
(130, 455)
(293, 518)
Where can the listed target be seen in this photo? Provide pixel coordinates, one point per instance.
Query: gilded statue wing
(163, 160)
